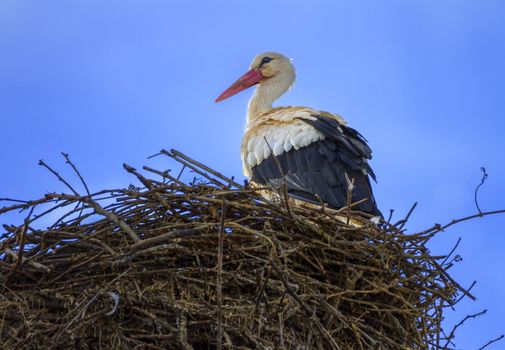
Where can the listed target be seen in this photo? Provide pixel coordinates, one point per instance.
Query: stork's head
(266, 68)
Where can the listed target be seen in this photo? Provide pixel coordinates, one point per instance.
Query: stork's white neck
(266, 93)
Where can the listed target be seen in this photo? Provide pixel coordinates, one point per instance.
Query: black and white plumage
(315, 154)
(321, 171)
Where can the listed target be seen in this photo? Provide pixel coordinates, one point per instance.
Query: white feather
(279, 139)
(258, 153)
(278, 149)
(251, 159)
(251, 145)
(266, 150)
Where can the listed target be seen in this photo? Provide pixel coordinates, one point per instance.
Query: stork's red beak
(250, 78)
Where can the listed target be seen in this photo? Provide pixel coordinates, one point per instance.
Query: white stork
(314, 152)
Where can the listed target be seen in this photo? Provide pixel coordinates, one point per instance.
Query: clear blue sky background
(115, 81)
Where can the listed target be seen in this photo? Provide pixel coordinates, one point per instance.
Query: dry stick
(69, 213)
(347, 207)
(204, 167)
(196, 169)
(147, 183)
(438, 228)
(404, 221)
(484, 178)
(350, 187)
(115, 219)
(388, 221)
(67, 158)
(492, 341)
(181, 172)
(61, 205)
(26, 205)
(438, 324)
(450, 253)
(24, 260)
(12, 200)
(164, 174)
(168, 236)
(74, 198)
(21, 243)
(453, 331)
(219, 290)
(471, 217)
(154, 155)
(42, 163)
(469, 289)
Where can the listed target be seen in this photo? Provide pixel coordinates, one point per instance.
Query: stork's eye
(265, 60)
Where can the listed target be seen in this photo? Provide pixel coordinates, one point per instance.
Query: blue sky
(114, 81)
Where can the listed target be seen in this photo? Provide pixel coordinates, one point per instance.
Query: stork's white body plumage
(313, 152)
(277, 131)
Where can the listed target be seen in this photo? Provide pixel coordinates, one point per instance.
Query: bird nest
(209, 264)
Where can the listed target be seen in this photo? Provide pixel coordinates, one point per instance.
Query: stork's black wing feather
(317, 172)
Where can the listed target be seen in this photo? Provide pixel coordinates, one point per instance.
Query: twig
(29, 262)
(115, 219)
(154, 155)
(42, 163)
(168, 237)
(352, 205)
(492, 341)
(350, 188)
(25, 205)
(21, 242)
(181, 172)
(469, 289)
(453, 331)
(21, 245)
(181, 155)
(484, 178)
(164, 174)
(12, 200)
(195, 168)
(450, 253)
(438, 228)
(147, 183)
(472, 217)
(402, 222)
(391, 211)
(67, 158)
